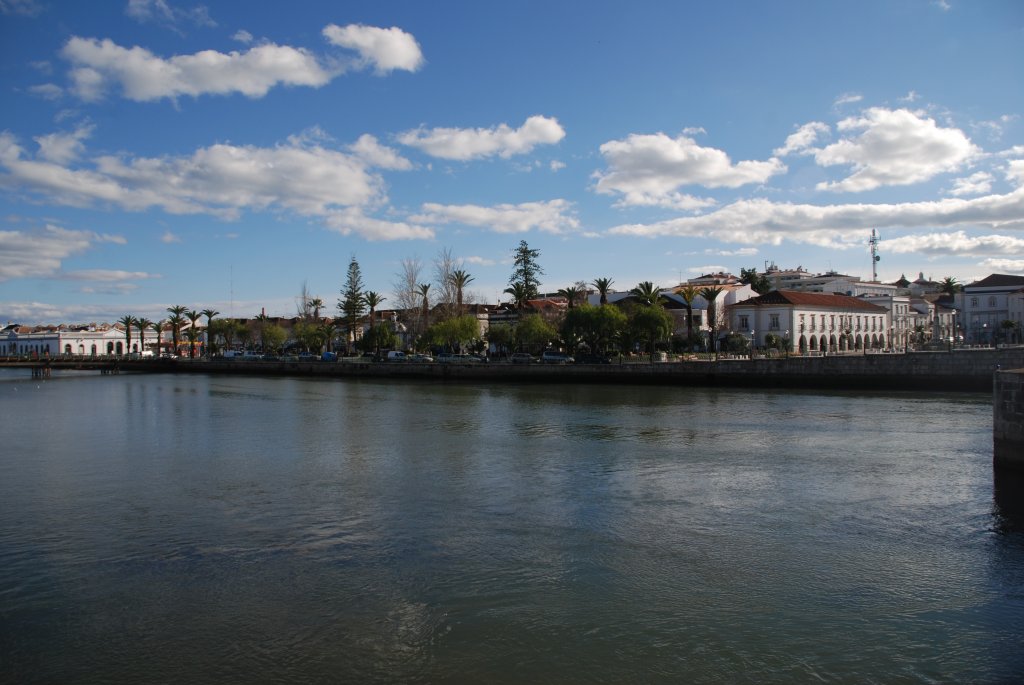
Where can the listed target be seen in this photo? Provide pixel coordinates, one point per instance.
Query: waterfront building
(813, 322)
(48, 341)
(987, 306)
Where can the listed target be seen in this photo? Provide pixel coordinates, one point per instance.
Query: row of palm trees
(179, 314)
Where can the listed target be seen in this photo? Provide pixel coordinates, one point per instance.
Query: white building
(813, 322)
(51, 341)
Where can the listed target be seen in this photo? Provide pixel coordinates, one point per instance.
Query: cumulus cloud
(758, 221)
(956, 243)
(39, 253)
(97, 66)
(368, 149)
(169, 238)
(649, 170)
(893, 147)
(242, 36)
(383, 49)
(142, 76)
(63, 148)
(1004, 266)
(221, 180)
(464, 144)
(553, 216)
(353, 221)
(804, 139)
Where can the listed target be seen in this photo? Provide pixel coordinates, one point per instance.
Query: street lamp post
(785, 343)
(751, 344)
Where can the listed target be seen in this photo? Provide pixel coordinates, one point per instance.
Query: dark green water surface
(193, 529)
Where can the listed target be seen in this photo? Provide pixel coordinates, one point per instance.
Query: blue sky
(161, 152)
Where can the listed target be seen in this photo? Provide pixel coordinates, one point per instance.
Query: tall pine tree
(352, 305)
(527, 271)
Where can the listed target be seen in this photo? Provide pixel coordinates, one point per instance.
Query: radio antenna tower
(873, 246)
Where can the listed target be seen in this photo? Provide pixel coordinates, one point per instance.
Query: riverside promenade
(961, 370)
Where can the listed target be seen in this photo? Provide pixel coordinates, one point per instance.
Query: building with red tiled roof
(813, 322)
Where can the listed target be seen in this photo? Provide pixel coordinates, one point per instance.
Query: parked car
(396, 356)
(553, 357)
(522, 358)
(420, 358)
(329, 357)
(593, 359)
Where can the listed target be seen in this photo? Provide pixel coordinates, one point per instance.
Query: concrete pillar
(1008, 420)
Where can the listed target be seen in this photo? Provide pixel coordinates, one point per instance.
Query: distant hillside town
(790, 311)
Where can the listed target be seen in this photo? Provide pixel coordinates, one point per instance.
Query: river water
(189, 529)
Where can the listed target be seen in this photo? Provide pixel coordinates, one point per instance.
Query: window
(774, 324)
(992, 301)
(744, 322)
(974, 302)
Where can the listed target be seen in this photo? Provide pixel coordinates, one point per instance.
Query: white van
(396, 356)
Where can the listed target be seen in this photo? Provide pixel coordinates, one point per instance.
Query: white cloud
(648, 170)
(374, 154)
(956, 243)
(142, 76)
(37, 254)
(242, 36)
(63, 148)
(1015, 172)
(169, 238)
(475, 143)
(221, 180)
(847, 99)
(557, 165)
(975, 184)
(480, 261)
(1004, 265)
(553, 216)
(894, 147)
(758, 221)
(352, 220)
(804, 139)
(383, 49)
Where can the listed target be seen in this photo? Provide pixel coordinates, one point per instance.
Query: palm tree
(646, 292)
(209, 314)
(158, 328)
(710, 293)
(143, 324)
(572, 293)
(422, 289)
(949, 286)
(689, 293)
(459, 280)
(128, 321)
(316, 304)
(327, 329)
(193, 332)
(520, 295)
(603, 286)
(372, 300)
(176, 319)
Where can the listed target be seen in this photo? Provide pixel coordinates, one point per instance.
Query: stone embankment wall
(967, 370)
(1008, 419)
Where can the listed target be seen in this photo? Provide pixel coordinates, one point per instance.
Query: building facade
(813, 322)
